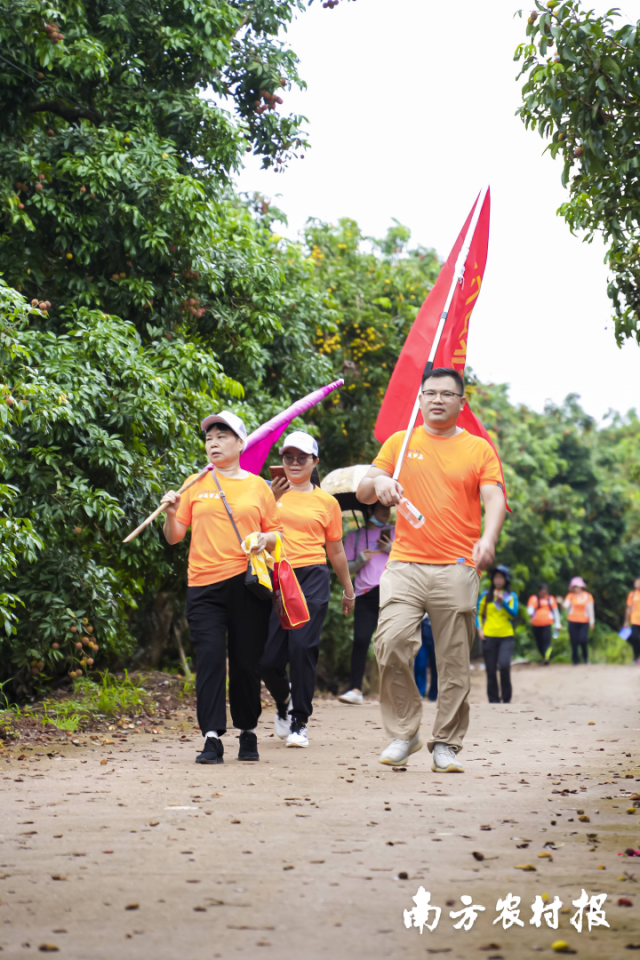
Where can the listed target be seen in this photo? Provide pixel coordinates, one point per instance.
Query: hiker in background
(579, 605)
(497, 610)
(367, 551)
(544, 614)
(426, 658)
(632, 619)
(312, 523)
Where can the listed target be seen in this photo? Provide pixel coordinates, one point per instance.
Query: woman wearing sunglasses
(312, 522)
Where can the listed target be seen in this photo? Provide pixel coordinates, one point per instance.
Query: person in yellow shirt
(632, 619)
(497, 610)
(220, 609)
(312, 522)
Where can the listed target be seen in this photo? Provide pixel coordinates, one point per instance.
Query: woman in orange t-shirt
(218, 601)
(311, 521)
(579, 604)
(632, 618)
(543, 614)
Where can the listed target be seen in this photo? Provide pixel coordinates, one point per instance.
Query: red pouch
(288, 597)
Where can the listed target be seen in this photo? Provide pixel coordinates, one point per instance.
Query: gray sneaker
(444, 759)
(399, 751)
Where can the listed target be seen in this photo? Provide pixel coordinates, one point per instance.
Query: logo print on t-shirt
(414, 455)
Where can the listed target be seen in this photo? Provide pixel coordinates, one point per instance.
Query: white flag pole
(458, 277)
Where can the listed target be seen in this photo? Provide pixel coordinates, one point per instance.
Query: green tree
(373, 290)
(121, 126)
(93, 421)
(581, 93)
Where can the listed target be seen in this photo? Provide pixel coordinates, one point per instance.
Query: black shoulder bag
(251, 579)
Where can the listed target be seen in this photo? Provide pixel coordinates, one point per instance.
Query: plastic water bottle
(410, 513)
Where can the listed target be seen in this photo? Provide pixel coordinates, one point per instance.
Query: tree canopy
(122, 123)
(581, 92)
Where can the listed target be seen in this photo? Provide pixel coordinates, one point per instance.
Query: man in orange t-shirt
(632, 618)
(433, 569)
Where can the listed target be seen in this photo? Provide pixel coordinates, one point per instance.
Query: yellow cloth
(259, 562)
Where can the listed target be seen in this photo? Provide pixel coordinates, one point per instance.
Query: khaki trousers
(449, 595)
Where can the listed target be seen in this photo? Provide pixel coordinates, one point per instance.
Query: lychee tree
(581, 93)
(121, 126)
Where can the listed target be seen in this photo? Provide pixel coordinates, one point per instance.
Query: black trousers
(365, 621)
(497, 653)
(299, 648)
(579, 637)
(214, 613)
(542, 637)
(634, 640)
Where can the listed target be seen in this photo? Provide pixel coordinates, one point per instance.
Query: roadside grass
(110, 695)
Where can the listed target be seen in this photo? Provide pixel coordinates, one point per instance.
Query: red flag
(399, 399)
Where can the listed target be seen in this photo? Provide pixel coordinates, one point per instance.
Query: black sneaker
(248, 746)
(212, 751)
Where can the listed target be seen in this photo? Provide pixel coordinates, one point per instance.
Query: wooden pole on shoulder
(163, 506)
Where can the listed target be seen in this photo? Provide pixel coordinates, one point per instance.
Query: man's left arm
(495, 511)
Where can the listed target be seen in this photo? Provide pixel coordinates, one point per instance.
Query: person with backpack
(543, 615)
(632, 619)
(497, 611)
(579, 604)
(312, 523)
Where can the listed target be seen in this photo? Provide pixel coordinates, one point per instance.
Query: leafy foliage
(93, 421)
(373, 289)
(573, 500)
(120, 135)
(581, 92)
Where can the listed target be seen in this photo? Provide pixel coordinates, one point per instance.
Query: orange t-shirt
(215, 553)
(578, 608)
(441, 476)
(633, 601)
(543, 616)
(308, 521)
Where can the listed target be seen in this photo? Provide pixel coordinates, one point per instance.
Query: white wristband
(348, 598)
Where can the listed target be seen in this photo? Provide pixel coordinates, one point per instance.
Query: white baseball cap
(301, 441)
(232, 421)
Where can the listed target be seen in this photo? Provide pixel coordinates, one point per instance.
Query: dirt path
(304, 855)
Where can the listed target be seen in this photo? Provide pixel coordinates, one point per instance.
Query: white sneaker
(398, 751)
(444, 759)
(298, 736)
(282, 723)
(351, 696)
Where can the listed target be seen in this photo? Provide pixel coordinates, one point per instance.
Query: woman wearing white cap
(312, 521)
(219, 605)
(579, 604)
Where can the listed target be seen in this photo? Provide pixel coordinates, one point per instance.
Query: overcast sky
(411, 110)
